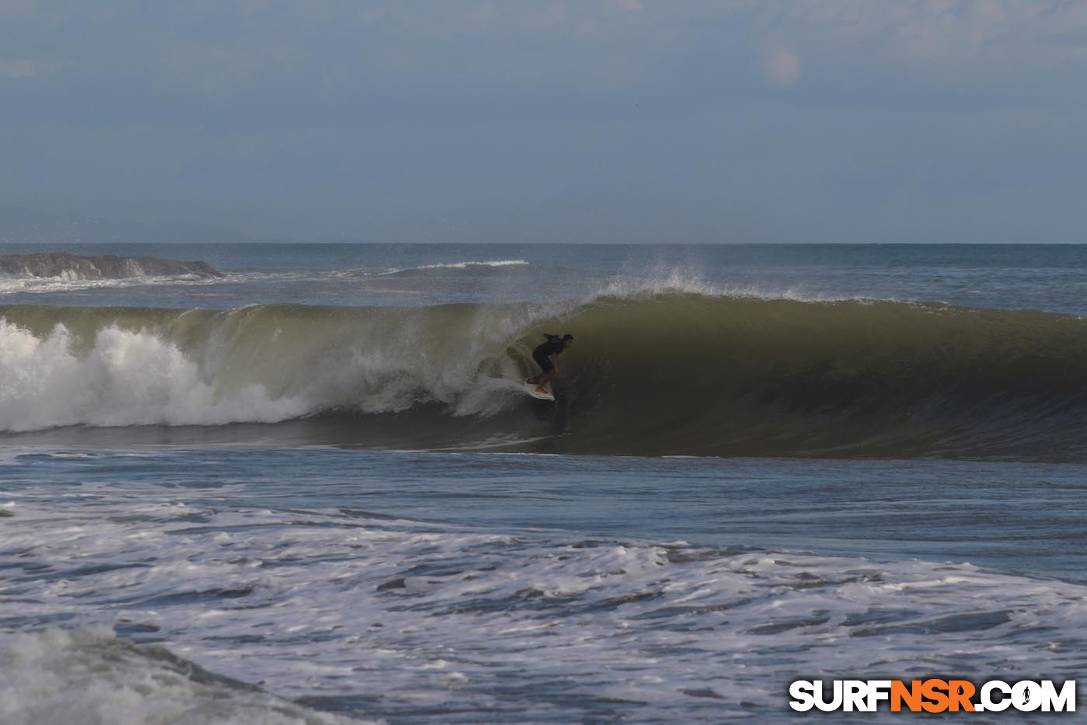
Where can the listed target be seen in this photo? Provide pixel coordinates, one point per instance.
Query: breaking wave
(657, 373)
(483, 263)
(446, 268)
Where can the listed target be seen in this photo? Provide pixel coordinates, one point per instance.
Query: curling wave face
(655, 374)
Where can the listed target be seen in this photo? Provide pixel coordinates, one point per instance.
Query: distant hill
(21, 224)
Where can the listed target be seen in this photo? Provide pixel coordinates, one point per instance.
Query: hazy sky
(556, 120)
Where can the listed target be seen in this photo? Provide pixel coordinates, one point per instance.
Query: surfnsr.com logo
(932, 696)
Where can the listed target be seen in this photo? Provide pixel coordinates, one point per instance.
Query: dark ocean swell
(667, 374)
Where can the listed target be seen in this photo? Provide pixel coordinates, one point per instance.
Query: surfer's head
(567, 339)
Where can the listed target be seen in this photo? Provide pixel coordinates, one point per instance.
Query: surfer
(546, 356)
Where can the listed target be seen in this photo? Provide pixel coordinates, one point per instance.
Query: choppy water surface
(312, 491)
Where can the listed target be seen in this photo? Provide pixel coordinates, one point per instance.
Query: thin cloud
(20, 68)
(782, 67)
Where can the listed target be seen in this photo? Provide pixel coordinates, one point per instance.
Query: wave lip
(70, 267)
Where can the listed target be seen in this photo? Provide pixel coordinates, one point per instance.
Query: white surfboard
(530, 388)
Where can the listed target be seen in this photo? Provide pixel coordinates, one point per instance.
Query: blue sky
(557, 120)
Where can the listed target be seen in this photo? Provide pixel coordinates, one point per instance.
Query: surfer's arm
(555, 361)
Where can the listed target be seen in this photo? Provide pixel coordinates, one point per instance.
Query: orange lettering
(959, 694)
(912, 696)
(935, 692)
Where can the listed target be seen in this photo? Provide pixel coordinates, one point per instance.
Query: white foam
(126, 378)
(328, 603)
(466, 264)
(68, 283)
(382, 362)
(60, 677)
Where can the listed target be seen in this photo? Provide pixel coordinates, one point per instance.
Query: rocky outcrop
(66, 265)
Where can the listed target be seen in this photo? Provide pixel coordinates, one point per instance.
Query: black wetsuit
(543, 352)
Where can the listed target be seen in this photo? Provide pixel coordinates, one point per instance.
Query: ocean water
(312, 490)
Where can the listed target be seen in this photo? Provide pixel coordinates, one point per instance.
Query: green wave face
(718, 376)
(669, 374)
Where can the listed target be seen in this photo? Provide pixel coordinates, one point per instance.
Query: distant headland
(66, 265)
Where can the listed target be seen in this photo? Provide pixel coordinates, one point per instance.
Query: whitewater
(312, 490)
